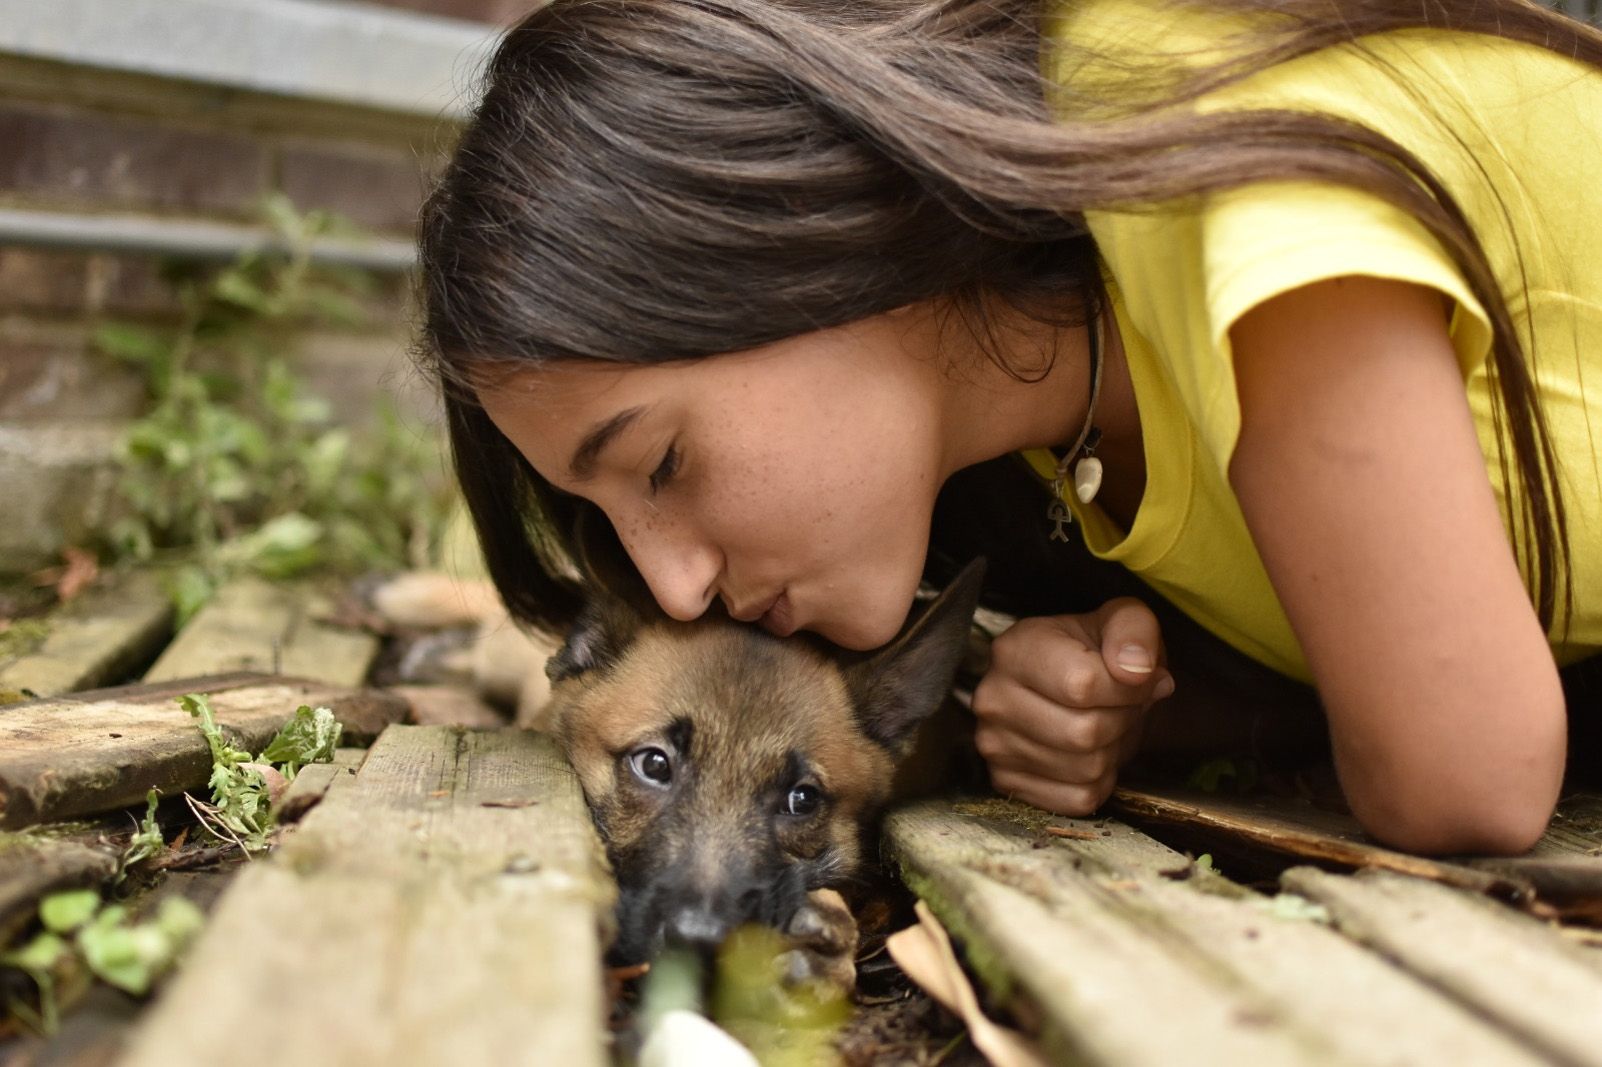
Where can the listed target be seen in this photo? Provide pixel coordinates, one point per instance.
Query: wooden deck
(442, 897)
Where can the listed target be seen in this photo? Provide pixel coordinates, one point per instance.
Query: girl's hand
(1062, 705)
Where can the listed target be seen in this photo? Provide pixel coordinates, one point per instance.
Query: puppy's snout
(702, 924)
(696, 927)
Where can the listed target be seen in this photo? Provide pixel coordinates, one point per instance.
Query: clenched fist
(1062, 706)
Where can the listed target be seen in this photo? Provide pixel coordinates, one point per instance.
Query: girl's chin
(855, 638)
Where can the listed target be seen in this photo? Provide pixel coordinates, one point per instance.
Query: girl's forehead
(572, 381)
(567, 385)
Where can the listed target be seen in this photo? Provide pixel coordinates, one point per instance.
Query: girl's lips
(778, 619)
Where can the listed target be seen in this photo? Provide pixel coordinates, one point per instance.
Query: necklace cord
(1094, 335)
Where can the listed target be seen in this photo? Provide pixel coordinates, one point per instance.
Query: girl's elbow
(1495, 801)
(1510, 829)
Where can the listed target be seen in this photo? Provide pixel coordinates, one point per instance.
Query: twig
(214, 824)
(1076, 835)
(200, 857)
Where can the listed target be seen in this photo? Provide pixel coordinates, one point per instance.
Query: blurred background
(206, 224)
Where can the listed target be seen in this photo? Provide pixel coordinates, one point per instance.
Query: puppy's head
(731, 772)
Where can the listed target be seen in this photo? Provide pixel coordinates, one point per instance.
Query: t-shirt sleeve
(1250, 244)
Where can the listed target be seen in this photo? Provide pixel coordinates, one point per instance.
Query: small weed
(235, 468)
(145, 843)
(79, 934)
(240, 808)
(1241, 774)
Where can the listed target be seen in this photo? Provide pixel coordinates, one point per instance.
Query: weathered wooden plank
(1086, 928)
(1565, 866)
(1507, 966)
(98, 638)
(254, 625)
(315, 780)
(447, 705)
(95, 1027)
(66, 757)
(32, 866)
(1296, 829)
(441, 908)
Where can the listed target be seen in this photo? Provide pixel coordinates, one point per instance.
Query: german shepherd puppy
(735, 777)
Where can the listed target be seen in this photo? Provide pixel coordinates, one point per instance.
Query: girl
(1293, 307)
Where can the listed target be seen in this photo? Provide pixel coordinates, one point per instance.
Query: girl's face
(794, 481)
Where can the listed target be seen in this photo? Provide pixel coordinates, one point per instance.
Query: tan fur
(734, 722)
(752, 703)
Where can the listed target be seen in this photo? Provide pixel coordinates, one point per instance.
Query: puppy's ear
(604, 630)
(619, 601)
(900, 686)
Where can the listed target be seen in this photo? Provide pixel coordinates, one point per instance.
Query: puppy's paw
(822, 937)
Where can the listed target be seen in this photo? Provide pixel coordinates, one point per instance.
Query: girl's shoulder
(1112, 57)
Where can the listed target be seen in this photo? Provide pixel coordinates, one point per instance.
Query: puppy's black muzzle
(673, 914)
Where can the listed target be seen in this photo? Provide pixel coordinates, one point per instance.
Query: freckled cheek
(763, 498)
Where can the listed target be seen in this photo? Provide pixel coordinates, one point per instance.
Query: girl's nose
(682, 572)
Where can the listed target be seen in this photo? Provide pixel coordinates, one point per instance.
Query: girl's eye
(666, 469)
(652, 765)
(802, 800)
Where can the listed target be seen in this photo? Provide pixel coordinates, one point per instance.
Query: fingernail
(1135, 658)
(1165, 688)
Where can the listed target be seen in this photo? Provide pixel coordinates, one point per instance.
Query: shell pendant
(1087, 479)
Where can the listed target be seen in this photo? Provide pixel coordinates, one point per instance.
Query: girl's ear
(900, 686)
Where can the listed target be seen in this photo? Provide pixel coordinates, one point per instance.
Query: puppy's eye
(802, 800)
(652, 765)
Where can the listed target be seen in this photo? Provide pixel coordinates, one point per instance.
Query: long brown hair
(655, 180)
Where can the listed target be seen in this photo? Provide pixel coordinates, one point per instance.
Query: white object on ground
(684, 1039)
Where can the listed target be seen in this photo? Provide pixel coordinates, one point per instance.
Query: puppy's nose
(697, 928)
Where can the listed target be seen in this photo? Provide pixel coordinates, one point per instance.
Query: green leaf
(64, 912)
(279, 212)
(132, 957)
(1209, 777)
(189, 587)
(222, 753)
(235, 286)
(238, 793)
(145, 843)
(310, 737)
(37, 957)
(281, 548)
(324, 462)
(133, 344)
(179, 919)
(1294, 908)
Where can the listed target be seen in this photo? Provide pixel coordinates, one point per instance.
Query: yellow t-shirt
(1505, 126)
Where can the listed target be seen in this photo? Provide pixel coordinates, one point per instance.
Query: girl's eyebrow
(582, 466)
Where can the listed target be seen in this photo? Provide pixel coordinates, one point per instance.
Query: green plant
(145, 843)
(79, 935)
(240, 793)
(235, 467)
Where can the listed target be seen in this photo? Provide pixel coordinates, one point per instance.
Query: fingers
(1063, 798)
(1131, 641)
(1012, 707)
(1064, 661)
(1063, 703)
(1004, 750)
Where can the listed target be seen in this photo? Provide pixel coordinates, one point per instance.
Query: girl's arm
(1361, 479)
